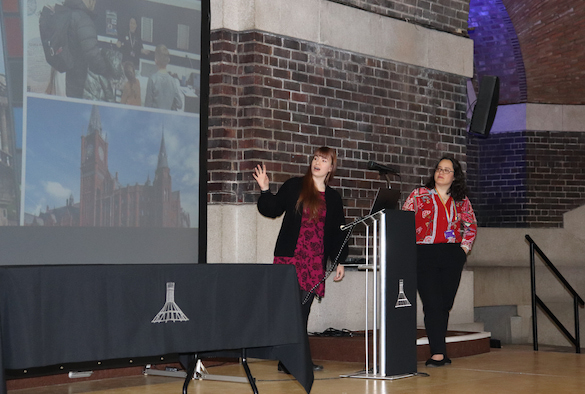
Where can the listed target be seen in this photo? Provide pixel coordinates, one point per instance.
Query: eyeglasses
(444, 170)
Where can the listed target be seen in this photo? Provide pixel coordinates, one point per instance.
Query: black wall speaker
(486, 106)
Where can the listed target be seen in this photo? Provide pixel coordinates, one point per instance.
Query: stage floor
(511, 369)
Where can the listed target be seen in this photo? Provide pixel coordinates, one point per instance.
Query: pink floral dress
(308, 256)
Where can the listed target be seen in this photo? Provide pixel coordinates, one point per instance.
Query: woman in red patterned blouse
(445, 232)
(310, 233)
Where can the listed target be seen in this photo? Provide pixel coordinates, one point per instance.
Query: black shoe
(282, 368)
(435, 363)
(447, 360)
(317, 367)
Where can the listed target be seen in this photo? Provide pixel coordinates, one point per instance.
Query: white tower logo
(170, 311)
(402, 300)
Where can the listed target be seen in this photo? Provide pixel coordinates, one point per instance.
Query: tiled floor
(512, 369)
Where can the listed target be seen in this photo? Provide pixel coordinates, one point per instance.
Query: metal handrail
(536, 301)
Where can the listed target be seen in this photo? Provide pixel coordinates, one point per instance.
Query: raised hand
(261, 177)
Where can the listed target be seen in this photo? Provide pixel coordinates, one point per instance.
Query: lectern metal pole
(367, 336)
(383, 275)
(375, 299)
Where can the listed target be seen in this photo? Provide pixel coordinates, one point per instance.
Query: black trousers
(306, 307)
(439, 269)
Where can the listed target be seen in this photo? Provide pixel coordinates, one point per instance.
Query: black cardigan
(272, 206)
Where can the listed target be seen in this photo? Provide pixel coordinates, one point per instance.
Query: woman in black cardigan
(310, 233)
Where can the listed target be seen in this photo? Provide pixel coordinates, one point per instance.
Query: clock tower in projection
(95, 179)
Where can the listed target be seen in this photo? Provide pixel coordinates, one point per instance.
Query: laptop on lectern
(385, 199)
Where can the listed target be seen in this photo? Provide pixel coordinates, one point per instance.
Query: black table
(52, 315)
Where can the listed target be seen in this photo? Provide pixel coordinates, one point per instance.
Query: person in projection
(131, 89)
(56, 86)
(310, 233)
(84, 47)
(131, 45)
(162, 90)
(445, 231)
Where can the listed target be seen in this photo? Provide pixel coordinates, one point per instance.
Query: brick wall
(444, 15)
(538, 60)
(526, 179)
(274, 100)
(496, 50)
(497, 179)
(556, 175)
(552, 45)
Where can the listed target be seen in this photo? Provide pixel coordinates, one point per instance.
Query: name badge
(449, 234)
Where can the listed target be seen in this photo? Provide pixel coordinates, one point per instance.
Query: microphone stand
(349, 227)
(361, 220)
(333, 266)
(386, 175)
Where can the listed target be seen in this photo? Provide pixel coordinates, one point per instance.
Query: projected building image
(105, 201)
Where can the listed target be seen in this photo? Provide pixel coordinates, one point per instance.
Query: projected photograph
(109, 166)
(132, 52)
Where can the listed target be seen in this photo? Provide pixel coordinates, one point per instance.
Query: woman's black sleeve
(274, 205)
(341, 238)
(338, 236)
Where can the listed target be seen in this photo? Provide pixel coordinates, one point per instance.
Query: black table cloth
(53, 315)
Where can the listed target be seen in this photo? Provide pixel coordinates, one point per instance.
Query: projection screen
(102, 151)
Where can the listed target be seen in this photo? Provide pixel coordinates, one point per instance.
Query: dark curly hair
(458, 189)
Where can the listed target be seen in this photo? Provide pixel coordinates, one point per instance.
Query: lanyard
(448, 214)
(132, 40)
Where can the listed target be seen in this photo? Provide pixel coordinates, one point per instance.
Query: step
(352, 349)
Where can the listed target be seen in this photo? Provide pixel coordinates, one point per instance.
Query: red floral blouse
(441, 222)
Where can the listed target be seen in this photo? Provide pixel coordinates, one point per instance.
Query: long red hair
(310, 197)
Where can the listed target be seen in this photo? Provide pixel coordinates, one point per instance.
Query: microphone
(382, 168)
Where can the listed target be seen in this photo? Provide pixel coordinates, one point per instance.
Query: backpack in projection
(54, 26)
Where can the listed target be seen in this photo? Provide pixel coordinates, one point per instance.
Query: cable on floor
(333, 332)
